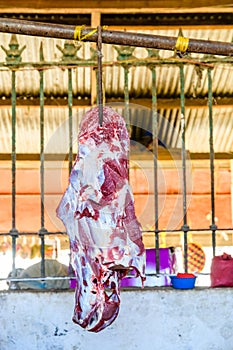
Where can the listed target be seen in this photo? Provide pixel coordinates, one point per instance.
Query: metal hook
(100, 86)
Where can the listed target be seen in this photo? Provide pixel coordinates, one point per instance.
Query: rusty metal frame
(126, 60)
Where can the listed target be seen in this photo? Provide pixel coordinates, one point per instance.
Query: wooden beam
(163, 155)
(135, 21)
(163, 103)
(48, 102)
(86, 10)
(106, 4)
(171, 103)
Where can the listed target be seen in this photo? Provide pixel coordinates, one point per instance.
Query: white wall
(167, 319)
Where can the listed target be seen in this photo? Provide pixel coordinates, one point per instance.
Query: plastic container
(166, 263)
(183, 282)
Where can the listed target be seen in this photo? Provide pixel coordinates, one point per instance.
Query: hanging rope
(78, 33)
(182, 44)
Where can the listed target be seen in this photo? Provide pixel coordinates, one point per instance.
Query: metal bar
(14, 236)
(126, 96)
(8, 25)
(13, 231)
(95, 70)
(42, 252)
(47, 278)
(58, 278)
(213, 227)
(42, 147)
(194, 230)
(155, 152)
(13, 140)
(70, 105)
(205, 62)
(100, 73)
(185, 227)
(42, 230)
(64, 156)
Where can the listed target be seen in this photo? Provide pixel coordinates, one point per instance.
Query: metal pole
(41, 73)
(42, 230)
(13, 155)
(13, 231)
(126, 97)
(61, 31)
(213, 226)
(70, 105)
(155, 152)
(100, 83)
(185, 227)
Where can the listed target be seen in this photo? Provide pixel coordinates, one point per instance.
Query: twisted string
(182, 44)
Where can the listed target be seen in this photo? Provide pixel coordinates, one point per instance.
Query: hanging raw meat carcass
(97, 210)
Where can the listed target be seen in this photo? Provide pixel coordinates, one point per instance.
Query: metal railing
(126, 60)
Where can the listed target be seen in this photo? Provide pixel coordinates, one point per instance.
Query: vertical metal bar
(96, 78)
(126, 96)
(185, 227)
(70, 105)
(13, 231)
(155, 151)
(42, 216)
(42, 147)
(213, 227)
(126, 101)
(14, 236)
(42, 252)
(70, 112)
(100, 73)
(13, 140)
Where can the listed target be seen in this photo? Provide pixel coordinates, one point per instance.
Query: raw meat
(97, 210)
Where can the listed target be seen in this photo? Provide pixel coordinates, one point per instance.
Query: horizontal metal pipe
(219, 229)
(62, 31)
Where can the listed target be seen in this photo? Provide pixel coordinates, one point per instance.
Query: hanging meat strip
(97, 210)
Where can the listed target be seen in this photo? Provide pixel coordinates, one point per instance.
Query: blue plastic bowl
(183, 283)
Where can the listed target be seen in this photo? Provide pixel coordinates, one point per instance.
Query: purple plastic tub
(166, 267)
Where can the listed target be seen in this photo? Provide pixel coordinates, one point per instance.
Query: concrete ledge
(153, 318)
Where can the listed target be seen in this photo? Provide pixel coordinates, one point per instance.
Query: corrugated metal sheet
(56, 84)
(57, 128)
(139, 79)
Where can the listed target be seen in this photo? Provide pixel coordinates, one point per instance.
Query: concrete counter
(156, 318)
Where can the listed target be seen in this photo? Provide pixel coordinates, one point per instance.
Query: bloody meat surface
(97, 210)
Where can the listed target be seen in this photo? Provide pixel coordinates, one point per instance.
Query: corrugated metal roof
(169, 131)
(140, 80)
